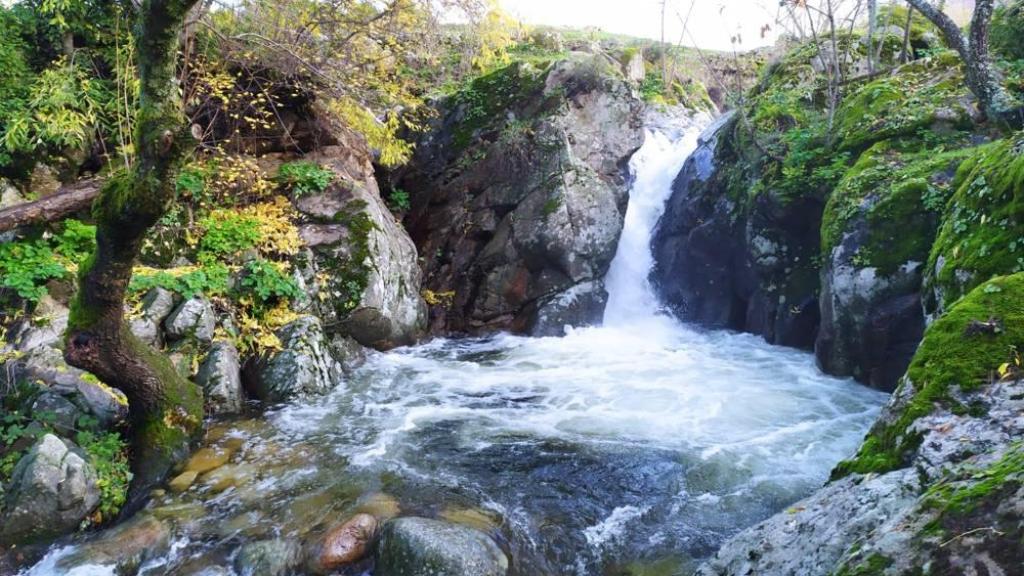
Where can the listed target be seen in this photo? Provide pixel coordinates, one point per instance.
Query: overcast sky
(712, 23)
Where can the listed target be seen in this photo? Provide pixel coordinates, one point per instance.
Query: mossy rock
(926, 95)
(982, 233)
(963, 349)
(899, 192)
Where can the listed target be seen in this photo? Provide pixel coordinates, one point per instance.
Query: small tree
(165, 409)
(982, 77)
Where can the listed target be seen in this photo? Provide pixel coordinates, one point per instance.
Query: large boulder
(426, 547)
(879, 226)
(726, 262)
(302, 367)
(220, 375)
(519, 193)
(365, 276)
(52, 490)
(45, 327)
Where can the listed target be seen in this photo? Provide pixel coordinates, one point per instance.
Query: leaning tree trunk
(981, 76)
(165, 408)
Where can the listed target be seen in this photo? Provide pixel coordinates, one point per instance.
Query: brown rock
(348, 543)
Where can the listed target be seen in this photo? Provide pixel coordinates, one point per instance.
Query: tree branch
(66, 201)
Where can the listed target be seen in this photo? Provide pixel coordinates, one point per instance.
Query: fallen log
(64, 202)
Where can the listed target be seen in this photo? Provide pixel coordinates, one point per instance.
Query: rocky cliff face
(518, 196)
(819, 240)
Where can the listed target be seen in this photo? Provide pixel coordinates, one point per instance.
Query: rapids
(641, 444)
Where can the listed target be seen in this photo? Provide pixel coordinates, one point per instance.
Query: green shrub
(26, 266)
(1007, 32)
(399, 200)
(210, 279)
(303, 178)
(227, 233)
(267, 285)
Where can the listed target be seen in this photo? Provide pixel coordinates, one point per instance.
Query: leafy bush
(210, 279)
(227, 233)
(15, 74)
(27, 265)
(399, 200)
(303, 178)
(266, 284)
(107, 453)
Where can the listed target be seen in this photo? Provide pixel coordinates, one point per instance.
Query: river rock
(426, 547)
(268, 558)
(304, 365)
(9, 196)
(366, 280)
(520, 210)
(52, 490)
(119, 550)
(345, 544)
(220, 375)
(192, 318)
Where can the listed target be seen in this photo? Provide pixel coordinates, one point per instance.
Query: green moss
(900, 192)
(903, 103)
(485, 100)
(873, 565)
(951, 355)
(964, 493)
(982, 233)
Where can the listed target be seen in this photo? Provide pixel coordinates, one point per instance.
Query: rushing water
(642, 441)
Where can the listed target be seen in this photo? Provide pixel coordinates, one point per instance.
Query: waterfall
(631, 299)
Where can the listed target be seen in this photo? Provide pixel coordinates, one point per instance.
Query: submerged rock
(304, 365)
(220, 375)
(122, 549)
(425, 547)
(52, 490)
(345, 544)
(268, 558)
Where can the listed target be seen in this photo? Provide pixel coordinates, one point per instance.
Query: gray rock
(157, 305)
(46, 368)
(581, 305)
(57, 410)
(220, 375)
(192, 318)
(9, 196)
(426, 547)
(303, 367)
(52, 490)
(46, 328)
(268, 558)
(357, 244)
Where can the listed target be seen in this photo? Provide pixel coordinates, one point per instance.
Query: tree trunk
(981, 76)
(165, 409)
(872, 27)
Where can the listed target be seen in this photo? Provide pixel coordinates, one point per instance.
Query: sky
(712, 24)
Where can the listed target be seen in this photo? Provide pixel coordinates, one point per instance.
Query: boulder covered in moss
(364, 278)
(518, 194)
(877, 232)
(939, 480)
